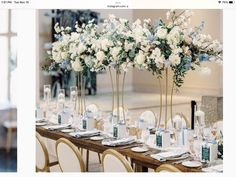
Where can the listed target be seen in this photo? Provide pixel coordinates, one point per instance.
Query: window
(8, 56)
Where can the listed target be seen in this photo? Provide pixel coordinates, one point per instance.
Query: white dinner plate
(192, 164)
(40, 123)
(139, 149)
(96, 138)
(67, 130)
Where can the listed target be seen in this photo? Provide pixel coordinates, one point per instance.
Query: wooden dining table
(142, 161)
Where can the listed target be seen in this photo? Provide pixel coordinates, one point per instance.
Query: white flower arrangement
(141, 44)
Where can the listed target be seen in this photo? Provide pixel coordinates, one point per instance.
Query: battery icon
(231, 2)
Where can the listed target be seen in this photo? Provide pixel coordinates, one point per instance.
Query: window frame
(9, 35)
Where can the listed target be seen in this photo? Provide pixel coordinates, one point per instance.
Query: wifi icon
(219, 2)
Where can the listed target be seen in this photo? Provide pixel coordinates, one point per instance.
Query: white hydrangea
(100, 56)
(157, 56)
(81, 48)
(105, 44)
(174, 59)
(64, 55)
(76, 65)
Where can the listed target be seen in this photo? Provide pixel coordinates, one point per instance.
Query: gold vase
(80, 102)
(166, 91)
(117, 93)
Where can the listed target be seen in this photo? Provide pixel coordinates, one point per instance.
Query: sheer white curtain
(8, 57)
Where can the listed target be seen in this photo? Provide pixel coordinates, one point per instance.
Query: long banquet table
(142, 161)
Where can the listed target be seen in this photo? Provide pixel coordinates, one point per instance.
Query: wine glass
(61, 99)
(145, 136)
(197, 149)
(61, 94)
(47, 93)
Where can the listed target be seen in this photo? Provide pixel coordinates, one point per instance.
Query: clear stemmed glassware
(145, 136)
(197, 149)
(47, 99)
(73, 93)
(61, 99)
(47, 93)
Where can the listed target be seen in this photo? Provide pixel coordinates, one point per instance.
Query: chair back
(42, 158)
(167, 168)
(69, 156)
(179, 117)
(121, 113)
(94, 109)
(149, 117)
(113, 161)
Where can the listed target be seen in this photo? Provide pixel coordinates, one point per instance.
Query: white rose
(173, 37)
(81, 48)
(140, 58)
(64, 55)
(115, 52)
(100, 56)
(161, 33)
(174, 59)
(76, 65)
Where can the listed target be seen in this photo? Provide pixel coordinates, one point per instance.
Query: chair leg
(87, 160)
(81, 150)
(9, 138)
(99, 158)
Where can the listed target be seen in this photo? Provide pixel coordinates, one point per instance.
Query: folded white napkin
(40, 120)
(122, 141)
(84, 134)
(163, 156)
(54, 127)
(216, 168)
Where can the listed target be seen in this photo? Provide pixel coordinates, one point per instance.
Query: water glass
(73, 94)
(197, 149)
(47, 93)
(61, 95)
(61, 99)
(145, 136)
